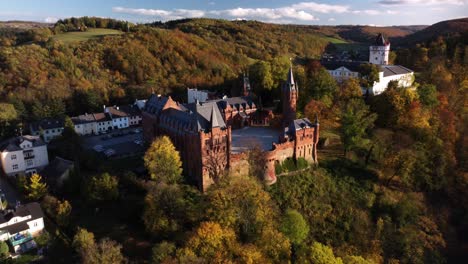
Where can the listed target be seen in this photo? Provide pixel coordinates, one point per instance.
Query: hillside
(444, 29)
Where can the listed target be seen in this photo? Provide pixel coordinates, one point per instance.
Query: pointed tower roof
(290, 76)
(214, 119)
(380, 40)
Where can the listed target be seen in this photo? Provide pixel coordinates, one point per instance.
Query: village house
(23, 155)
(19, 226)
(85, 124)
(49, 128)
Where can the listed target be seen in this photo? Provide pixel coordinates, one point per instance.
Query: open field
(92, 33)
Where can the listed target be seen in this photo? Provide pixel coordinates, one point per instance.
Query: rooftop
(246, 138)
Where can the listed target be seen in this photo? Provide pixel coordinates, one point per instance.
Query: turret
(290, 95)
(379, 51)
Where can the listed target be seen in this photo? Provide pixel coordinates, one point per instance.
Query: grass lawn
(335, 40)
(92, 33)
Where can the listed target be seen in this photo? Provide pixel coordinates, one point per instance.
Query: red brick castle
(215, 135)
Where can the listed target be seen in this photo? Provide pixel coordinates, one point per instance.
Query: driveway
(11, 194)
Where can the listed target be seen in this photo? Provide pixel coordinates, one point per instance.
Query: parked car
(98, 148)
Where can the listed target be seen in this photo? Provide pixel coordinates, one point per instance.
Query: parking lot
(117, 143)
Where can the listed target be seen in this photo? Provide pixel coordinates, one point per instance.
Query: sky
(320, 12)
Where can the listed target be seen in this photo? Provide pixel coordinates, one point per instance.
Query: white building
(119, 118)
(134, 114)
(48, 129)
(85, 124)
(103, 122)
(388, 73)
(378, 54)
(23, 155)
(380, 51)
(20, 225)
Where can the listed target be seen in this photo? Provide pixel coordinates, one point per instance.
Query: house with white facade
(23, 155)
(119, 118)
(134, 114)
(19, 226)
(103, 122)
(378, 55)
(85, 124)
(48, 128)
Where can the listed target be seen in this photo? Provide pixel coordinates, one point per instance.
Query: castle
(216, 135)
(379, 52)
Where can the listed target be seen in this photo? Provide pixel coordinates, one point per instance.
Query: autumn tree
(319, 254)
(162, 251)
(163, 161)
(102, 187)
(36, 188)
(319, 85)
(7, 115)
(356, 120)
(59, 210)
(428, 95)
(106, 251)
(216, 163)
(169, 208)
(240, 203)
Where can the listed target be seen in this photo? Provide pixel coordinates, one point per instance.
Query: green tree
(170, 208)
(261, 76)
(319, 85)
(318, 254)
(294, 226)
(369, 74)
(4, 250)
(356, 260)
(163, 161)
(36, 189)
(428, 95)
(103, 188)
(356, 120)
(8, 115)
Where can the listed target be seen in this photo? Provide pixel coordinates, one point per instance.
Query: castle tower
(379, 51)
(246, 90)
(290, 94)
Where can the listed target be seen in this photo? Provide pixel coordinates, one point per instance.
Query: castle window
(15, 166)
(13, 157)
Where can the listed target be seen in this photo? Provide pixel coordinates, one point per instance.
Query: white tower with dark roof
(379, 51)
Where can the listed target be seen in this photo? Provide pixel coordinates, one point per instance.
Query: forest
(390, 188)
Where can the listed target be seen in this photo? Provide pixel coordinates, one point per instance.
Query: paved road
(10, 193)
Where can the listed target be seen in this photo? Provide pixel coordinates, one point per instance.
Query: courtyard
(247, 138)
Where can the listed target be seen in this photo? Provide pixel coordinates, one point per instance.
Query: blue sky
(334, 12)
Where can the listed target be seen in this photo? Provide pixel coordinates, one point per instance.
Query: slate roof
(131, 110)
(205, 113)
(32, 209)
(83, 119)
(350, 65)
(155, 104)
(56, 169)
(49, 123)
(390, 70)
(12, 144)
(299, 124)
(380, 40)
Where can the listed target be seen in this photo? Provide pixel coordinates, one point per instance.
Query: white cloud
(321, 8)
(51, 19)
(212, 3)
(302, 11)
(423, 2)
(331, 19)
(162, 14)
